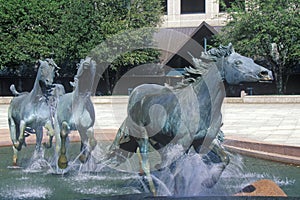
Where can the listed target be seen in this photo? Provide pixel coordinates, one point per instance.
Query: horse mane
(221, 51)
(51, 62)
(203, 64)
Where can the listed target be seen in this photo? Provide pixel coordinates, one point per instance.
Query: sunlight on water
(96, 190)
(26, 192)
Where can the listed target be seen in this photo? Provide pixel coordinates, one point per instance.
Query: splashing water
(187, 177)
(26, 192)
(184, 177)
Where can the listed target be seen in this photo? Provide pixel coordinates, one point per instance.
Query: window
(224, 4)
(192, 6)
(165, 6)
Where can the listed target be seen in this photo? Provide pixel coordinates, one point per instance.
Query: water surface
(37, 179)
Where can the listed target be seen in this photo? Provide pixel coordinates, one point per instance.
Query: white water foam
(26, 192)
(96, 190)
(188, 175)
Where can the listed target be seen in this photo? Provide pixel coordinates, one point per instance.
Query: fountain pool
(36, 178)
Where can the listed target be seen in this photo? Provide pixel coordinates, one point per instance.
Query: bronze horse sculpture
(29, 112)
(188, 114)
(75, 111)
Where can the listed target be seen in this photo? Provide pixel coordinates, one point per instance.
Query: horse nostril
(48, 82)
(264, 73)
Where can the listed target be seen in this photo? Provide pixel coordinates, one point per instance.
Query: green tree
(269, 30)
(125, 34)
(68, 30)
(26, 32)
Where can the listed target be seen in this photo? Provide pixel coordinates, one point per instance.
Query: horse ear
(37, 64)
(230, 47)
(72, 84)
(51, 62)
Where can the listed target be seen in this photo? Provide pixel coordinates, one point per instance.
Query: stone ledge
(279, 153)
(261, 99)
(110, 99)
(100, 135)
(263, 146)
(272, 99)
(277, 99)
(265, 155)
(95, 99)
(5, 100)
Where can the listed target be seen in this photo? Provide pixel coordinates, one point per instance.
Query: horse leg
(20, 141)
(15, 156)
(120, 134)
(57, 139)
(13, 136)
(89, 147)
(50, 133)
(39, 138)
(219, 158)
(144, 148)
(138, 152)
(91, 138)
(83, 148)
(62, 160)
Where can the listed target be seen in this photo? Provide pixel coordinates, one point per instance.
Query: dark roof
(190, 39)
(185, 30)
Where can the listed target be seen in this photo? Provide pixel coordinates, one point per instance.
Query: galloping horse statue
(75, 111)
(188, 114)
(30, 111)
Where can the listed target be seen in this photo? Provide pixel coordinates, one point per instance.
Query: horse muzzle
(265, 76)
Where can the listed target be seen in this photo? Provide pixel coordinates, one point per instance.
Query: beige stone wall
(211, 15)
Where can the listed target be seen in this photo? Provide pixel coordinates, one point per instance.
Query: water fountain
(182, 176)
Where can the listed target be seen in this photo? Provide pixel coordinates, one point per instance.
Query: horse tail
(13, 90)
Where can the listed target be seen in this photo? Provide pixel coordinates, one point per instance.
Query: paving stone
(276, 123)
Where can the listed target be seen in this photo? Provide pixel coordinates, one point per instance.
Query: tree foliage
(269, 30)
(27, 31)
(67, 30)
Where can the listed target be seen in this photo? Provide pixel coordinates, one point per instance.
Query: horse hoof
(141, 173)
(83, 158)
(62, 162)
(18, 146)
(209, 182)
(93, 143)
(47, 145)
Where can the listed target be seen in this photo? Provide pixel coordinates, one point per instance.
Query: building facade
(191, 13)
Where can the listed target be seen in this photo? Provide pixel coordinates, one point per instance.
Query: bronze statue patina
(188, 114)
(30, 111)
(75, 111)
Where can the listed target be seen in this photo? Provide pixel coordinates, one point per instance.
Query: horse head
(46, 73)
(236, 68)
(83, 80)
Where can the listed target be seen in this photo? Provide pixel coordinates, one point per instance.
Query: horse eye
(238, 62)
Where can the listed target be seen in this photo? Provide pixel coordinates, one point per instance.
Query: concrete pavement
(248, 127)
(265, 130)
(269, 123)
